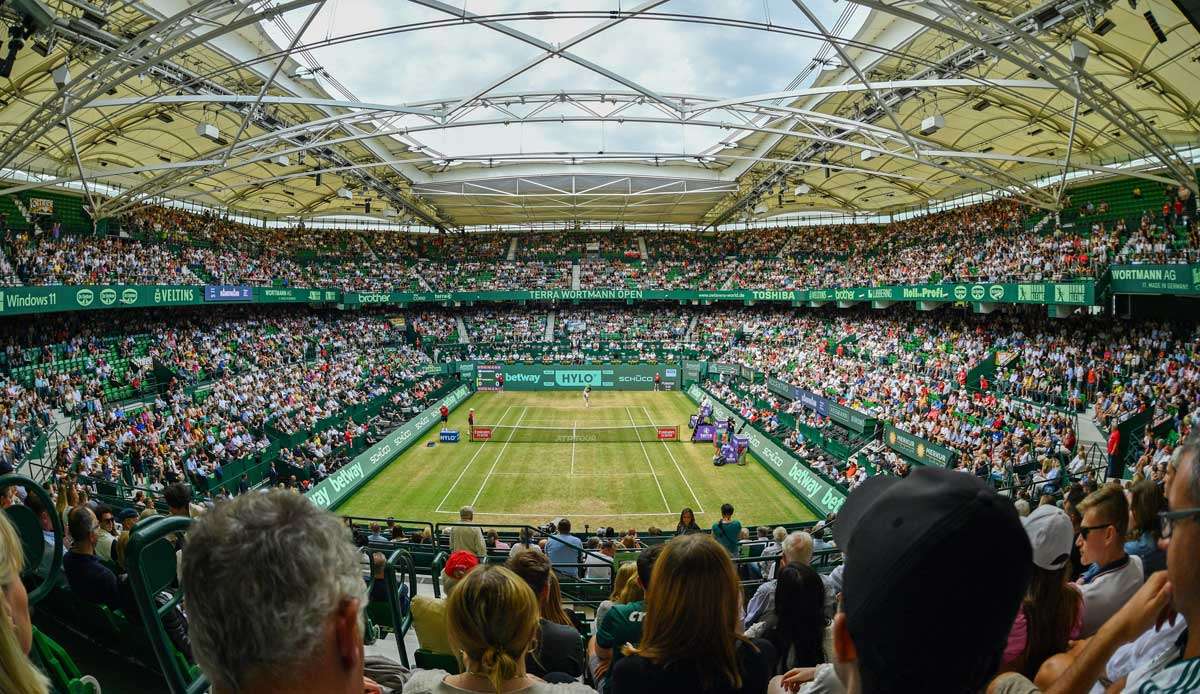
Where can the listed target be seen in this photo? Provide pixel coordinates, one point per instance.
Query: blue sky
(669, 57)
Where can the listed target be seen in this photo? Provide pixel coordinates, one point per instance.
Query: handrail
(400, 561)
(51, 579)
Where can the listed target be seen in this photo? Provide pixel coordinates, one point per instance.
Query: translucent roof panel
(391, 52)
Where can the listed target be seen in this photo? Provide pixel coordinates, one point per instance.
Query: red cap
(459, 563)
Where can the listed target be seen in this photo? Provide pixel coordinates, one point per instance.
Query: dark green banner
(917, 448)
(275, 295)
(1156, 279)
(554, 377)
(1075, 293)
(20, 300)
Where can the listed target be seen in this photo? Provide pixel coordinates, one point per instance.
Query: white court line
(464, 470)
(580, 474)
(534, 514)
(649, 464)
(497, 460)
(679, 469)
(574, 425)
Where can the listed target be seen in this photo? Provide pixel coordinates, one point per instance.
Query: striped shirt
(1166, 674)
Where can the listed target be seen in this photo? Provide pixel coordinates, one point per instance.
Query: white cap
(1051, 534)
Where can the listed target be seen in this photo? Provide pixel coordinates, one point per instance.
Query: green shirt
(622, 624)
(727, 534)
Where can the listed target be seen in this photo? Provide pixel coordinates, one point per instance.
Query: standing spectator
(1112, 576)
(727, 531)
(691, 639)
(564, 548)
(687, 523)
(559, 647)
(901, 531)
(493, 622)
(1114, 445)
(1052, 612)
(467, 538)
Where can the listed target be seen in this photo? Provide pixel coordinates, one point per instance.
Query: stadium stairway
(512, 249)
(641, 242)
(1089, 432)
(549, 337)
(575, 275)
(463, 337)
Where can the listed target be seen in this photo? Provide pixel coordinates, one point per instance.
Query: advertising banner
(821, 496)
(334, 489)
(847, 417)
(228, 292)
(1156, 279)
(917, 448)
(562, 377)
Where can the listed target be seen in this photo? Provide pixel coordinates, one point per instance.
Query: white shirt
(1107, 592)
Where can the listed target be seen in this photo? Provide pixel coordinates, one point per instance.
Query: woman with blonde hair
(691, 640)
(492, 621)
(17, 674)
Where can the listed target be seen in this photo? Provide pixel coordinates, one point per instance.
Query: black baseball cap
(935, 555)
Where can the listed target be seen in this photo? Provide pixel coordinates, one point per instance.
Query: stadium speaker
(1191, 10)
(318, 179)
(367, 206)
(1158, 32)
(1106, 25)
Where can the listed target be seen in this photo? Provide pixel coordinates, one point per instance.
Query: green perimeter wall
(820, 496)
(334, 489)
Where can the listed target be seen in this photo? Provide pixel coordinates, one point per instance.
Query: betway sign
(820, 496)
(335, 488)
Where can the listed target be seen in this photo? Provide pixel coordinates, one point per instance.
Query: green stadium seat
(428, 660)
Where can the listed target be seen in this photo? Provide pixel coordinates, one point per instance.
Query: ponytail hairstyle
(17, 674)
(492, 620)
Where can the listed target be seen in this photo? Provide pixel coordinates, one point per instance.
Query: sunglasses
(1085, 529)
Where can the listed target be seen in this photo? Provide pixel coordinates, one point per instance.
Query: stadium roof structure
(895, 104)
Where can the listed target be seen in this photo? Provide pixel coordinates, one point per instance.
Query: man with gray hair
(797, 549)
(275, 597)
(466, 537)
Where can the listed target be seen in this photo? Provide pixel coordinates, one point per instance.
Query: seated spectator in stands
(492, 621)
(773, 549)
(17, 674)
(457, 566)
(88, 578)
(687, 523)
(377, 590)
(524, 542)
(622, 624)
(691, 639)
(376, 534)
(34, 502)
(107, 535)
(1112, 576)
(467, 537)
(900, 531)
(564, 548)
(1145, 502)
(599, 559)
(1052, 612)
(294, 623)
(1167, 597)
(559, 647)
(798, 633)
(492, 540)
(797, 549)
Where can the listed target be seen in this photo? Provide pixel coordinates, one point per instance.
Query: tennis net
(506, 433)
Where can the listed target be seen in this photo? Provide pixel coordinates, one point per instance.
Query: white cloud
(662, 56)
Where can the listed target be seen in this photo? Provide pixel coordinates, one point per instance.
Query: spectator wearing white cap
(1052, 611)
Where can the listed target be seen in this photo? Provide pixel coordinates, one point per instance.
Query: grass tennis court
(621, 484)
